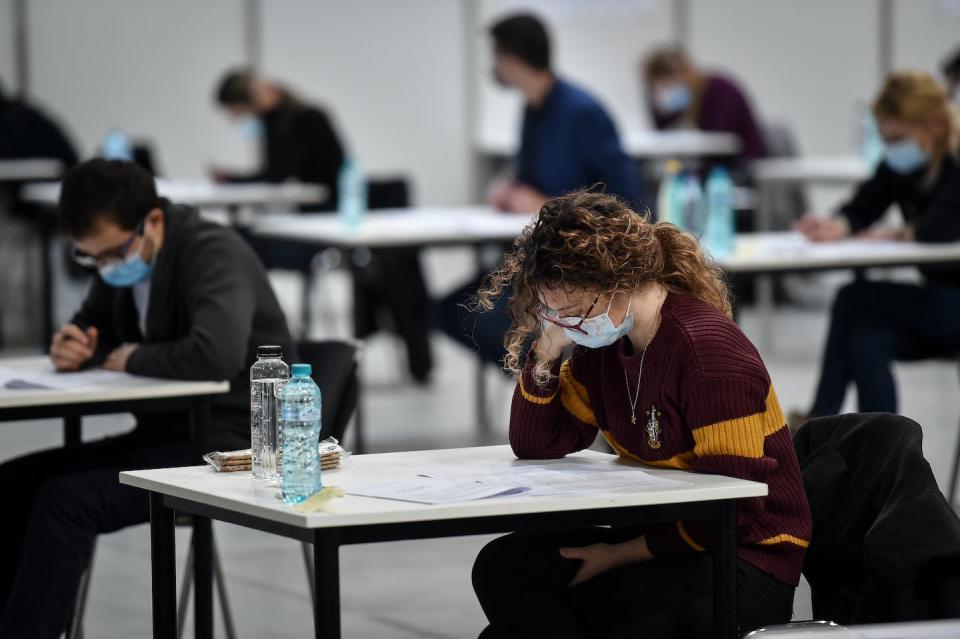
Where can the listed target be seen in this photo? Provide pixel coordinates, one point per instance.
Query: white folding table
(124, 393)
(236, 498)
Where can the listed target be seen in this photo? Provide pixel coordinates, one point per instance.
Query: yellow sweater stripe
(743, 436)
(574, 397)
(685, 536)
(784, 539)
(680, 461)
(530, 397)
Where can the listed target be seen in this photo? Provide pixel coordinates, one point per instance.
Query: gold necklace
(634, 398)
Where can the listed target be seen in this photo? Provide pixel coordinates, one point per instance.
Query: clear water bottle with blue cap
(351, 195)
(116, 146)
(668, 201)
(300, 436)
(720, 233)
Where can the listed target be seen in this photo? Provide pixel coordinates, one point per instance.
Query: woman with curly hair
(661, 371)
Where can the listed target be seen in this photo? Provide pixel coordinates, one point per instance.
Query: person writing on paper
(660, 370)
(567, 142)
(874, 322)
(174, 297)
(297, 140)
(680, 95)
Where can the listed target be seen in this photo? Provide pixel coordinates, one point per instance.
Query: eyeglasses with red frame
(547, 314)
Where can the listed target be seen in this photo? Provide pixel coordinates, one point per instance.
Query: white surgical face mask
(599, 329)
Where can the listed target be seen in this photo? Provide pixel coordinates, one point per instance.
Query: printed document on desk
(444, 484)
(13, 379)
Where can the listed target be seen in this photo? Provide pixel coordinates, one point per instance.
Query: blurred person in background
(174, 297)
(874, 323)
(680, 95)
(568, 141)
(298, 141)
(951, 72)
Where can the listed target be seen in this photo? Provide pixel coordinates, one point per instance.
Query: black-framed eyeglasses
(547, 314)
(113, 255)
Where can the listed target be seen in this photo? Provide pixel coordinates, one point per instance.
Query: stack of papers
(50, 380)
(543, 478)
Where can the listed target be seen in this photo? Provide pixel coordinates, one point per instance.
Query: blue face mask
(673, 98)
(905, 156)
(250, 127)
(127, 272)
(600, 329)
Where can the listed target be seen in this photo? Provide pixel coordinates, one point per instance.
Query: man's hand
(823, 229)
(72, 347)
(524, 199)
(117, 359)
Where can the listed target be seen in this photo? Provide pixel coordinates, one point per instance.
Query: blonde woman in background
(874, 323)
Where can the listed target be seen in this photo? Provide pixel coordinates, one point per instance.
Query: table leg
(164, 569)
(725, 611)
(72, 430)
(200, 416)
(480, 377)
(202, 578)
(46, 274)
(326, 561)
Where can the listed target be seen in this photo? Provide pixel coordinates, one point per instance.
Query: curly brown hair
(594, 241)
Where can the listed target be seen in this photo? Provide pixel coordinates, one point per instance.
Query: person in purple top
(680, 95)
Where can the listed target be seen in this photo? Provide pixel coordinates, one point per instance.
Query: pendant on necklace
(633, 418)
(653, 427)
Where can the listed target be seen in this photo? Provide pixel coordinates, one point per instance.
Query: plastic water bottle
(871, 144)
(692, 207)
(116, 146)
(267, 377)
(719, 237)
(300, 431)
(352, 195)
(667, 200)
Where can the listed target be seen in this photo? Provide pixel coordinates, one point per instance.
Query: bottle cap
(269, 351)
(301, 370)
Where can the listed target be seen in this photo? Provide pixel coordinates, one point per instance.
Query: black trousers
(56, 502)
(479, 331)
(522, 584)
(871, 325)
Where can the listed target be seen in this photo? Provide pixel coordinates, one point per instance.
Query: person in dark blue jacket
(568, 142)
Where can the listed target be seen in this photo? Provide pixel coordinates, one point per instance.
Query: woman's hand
(594, 560)
(72, 347)
(551, 343)
(822, 229)
(599, 558)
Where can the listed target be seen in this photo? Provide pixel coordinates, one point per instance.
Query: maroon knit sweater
(716, 412)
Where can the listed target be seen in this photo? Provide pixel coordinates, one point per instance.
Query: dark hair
(523, 35)
(234, 88)
(951, 66)
(664, 62)
(113, 190)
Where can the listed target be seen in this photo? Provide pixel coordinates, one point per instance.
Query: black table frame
(197, 407)
(327, 542)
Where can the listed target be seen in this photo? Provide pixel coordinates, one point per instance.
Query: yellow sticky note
(319, 499)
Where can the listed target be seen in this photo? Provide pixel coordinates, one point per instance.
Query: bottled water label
(264, 432)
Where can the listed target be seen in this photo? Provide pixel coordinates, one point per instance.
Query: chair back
(335, 366)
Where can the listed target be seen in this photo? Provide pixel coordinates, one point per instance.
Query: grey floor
(422, 588)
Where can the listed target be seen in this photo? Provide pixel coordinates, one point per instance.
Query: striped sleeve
(548, 422)
(739, 430)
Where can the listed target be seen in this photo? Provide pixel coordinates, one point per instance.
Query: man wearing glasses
(174, 297)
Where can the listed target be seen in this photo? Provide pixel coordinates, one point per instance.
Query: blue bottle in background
(300, 435)
(692, 207)
(351, 194)
(720, 233)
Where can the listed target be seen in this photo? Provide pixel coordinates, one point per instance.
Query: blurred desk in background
(768, 254)
(468, 226)
(30, 169)
(201, 194)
